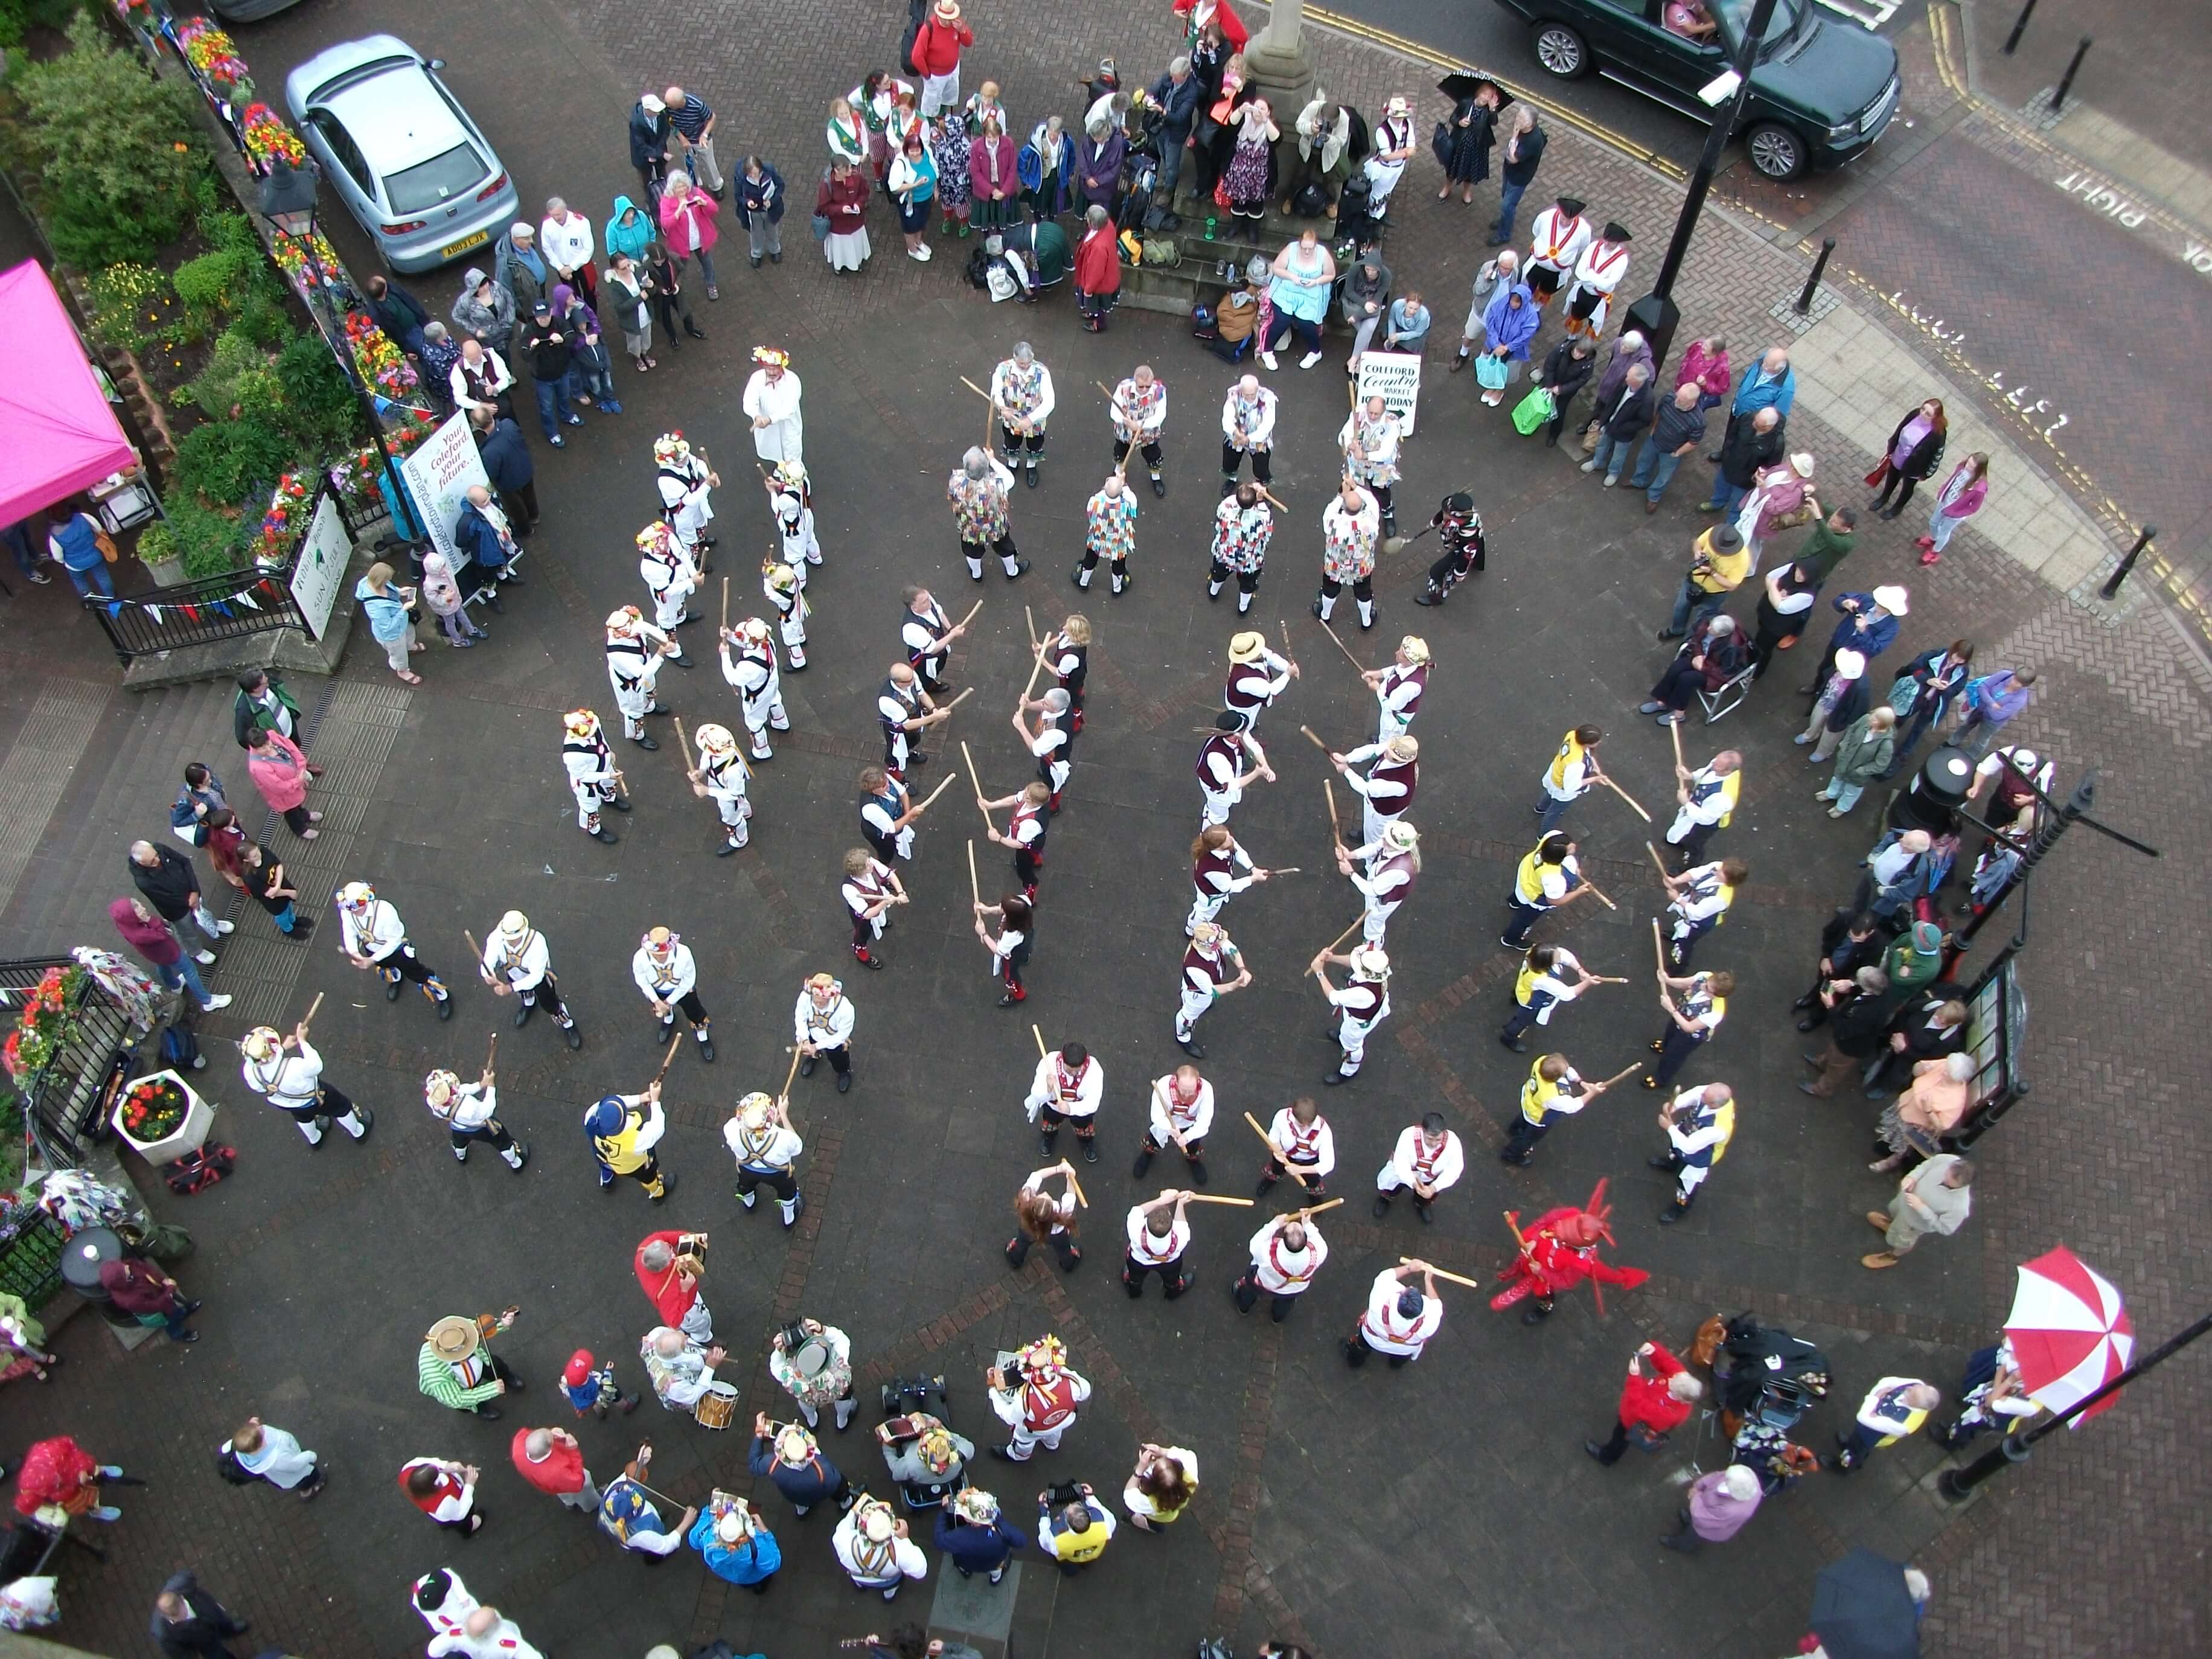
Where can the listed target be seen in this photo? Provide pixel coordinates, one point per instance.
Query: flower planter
(188, 1136)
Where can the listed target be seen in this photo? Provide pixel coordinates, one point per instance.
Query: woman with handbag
(912, 182)
(627, 298)
(1914, 452)
(1462, 141)
(1924, 693)
(387, 609)
(1657, 1398)
(84, 550)
(1567, 372)
(1508, 326)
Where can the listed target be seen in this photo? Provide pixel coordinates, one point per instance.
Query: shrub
(211, 287)
(130, 305)
(119, 160)
(227, 463)
(261, 318)
(217, 388)
(208, 543)
(319, 412)
(17, 17)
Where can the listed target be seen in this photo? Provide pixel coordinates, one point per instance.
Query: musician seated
(927, 1460)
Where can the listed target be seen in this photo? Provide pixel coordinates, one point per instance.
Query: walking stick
(978, 788)
(1348, 657)
(974, 890)
(1626, 796)
(1276, 1152)
(1430, 1267)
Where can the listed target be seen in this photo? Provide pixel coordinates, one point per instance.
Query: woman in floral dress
(1249, 174)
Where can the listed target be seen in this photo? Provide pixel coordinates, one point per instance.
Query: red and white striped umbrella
(2070, 1333)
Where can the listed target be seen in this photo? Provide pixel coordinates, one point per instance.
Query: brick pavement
(1323, 1484)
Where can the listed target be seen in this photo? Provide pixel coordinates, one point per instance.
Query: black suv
(1821, 91)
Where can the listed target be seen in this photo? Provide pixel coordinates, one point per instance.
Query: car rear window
(437, 181)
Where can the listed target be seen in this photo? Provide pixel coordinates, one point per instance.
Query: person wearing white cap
(759, 688)
(721, 777)
(1868, 627)
(288, 1071)
(1363, 1004)
(1841, 700)
(1394, 147)
(517, 962)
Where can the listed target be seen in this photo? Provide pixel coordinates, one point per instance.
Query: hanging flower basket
(215, 55)
(268, 139)
(163, 1119)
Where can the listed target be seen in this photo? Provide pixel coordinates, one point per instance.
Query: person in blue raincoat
(735, 1544)
(1046, 168)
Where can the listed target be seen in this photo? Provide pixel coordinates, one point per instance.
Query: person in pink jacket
(992, 177)
(1957, 501)
(144, 932)
(1707, 363)
(687, 226)
(279, 772)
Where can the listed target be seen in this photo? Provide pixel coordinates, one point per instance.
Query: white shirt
(1191, 1121)
(778, 402)
(524, 964)
(1047, 1088)
(1387, 796)
(289, 1080)
(1280, 1270)
(502, 1641)
(1688, 1132)
(665, 982)
(1063, 1208)
(1708, 898)
(1147, 1246)
(1447, 1164)
(780, 1151)
(1248, 425)
(1293, 1137)
(825, 1029)
(375, 934)
(454, 1506)
(1153, 416)
(876, 1564)
(500, 378)
(1387, 1330)
(474, 1106)
(566, 242)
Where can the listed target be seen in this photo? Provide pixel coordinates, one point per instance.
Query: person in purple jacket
(144, 932)
(1720, 1503)
(1992, 702)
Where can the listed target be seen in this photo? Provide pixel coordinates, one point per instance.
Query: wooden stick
(1043, 1053)
(726, 609)
(1626, 796)
(1174, 1133)
(1275, 1151)
(1029, 621)
(990, 410)
(1347, 932)
(956, 702)
(491, 1052)
(1622, 1075)
(978, 788)
(789, 1075)
(476, 955)
(1216, 1198)
(1675, 732)
(1657, 949)
(1286, 626)
(1121, 466)
(1037, 663)
(970, 617)
(1601, 897)
(1430, 1267)
(1076, 1187)
(1656, 859)
(951, 778)
(668, 1059)
(1292, 870)
(1268, 496)
(1341, 645)
(683, 751)
(1318, 743)
(977, 390)
(1335, 828)
(308, 1018)
(975, 889)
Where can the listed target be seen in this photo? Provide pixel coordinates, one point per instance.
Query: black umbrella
(1862, 1609)
(1465, 83)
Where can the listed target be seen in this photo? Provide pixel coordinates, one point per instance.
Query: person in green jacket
(1830, 544)
(263, 701)
(1863, 755)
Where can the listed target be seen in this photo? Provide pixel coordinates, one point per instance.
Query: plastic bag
(1532, 411)
(29, 1604)
(1490, 369)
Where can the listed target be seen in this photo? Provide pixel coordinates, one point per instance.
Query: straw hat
(513, 924)
(1414, 648)
(1246, 647)
(263, 1042)
(454, 1338)
(582, 722)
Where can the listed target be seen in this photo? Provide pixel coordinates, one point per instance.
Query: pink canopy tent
(57, 431)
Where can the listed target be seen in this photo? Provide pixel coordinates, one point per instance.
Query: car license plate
(464, 245)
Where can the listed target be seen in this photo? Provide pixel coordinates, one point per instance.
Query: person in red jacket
(552, 1460)
(1097, 269)
(1559, 1251)
(1658, 1397)
(1197, 14)
(669, 1266)
(937, 55)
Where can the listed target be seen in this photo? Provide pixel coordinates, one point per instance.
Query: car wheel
(1561, 51)
(1775, 150)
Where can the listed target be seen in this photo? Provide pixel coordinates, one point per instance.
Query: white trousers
(1203, 908)
(1351, 1037)
(1218, 804)
(1378, 920)
(1193, 1004)
(1025, 1440)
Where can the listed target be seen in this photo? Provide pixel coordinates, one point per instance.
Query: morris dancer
(517, 962)
(1247, 428)
(1181, 1105)
(1427, 1158)
(1159, 1239)
(771, 404)
(1286, 1253)
(1394, 772)
(1556, 242)
(783, 588)
(1026, 831)
(1256, 677)
(905, 710)
(372, 935)
(469, 1112)
(888, 815)
(686, 484)
(1066, 1089)
(870, 889)
(669, 575)
(1139, 410)
(1212, 968)
(978, 494)
(1022, 398)
(1368, 440)
(1558, 1250)
(667, 972)
(721, 777)
(625, 1131)
(1400, 1320)
(1398, 689)
(1050, 742)
(791, 504)
(1216, 858)
(593, 777)
(634, 650)
(1243, 528)
(1067, 654)
(1393, 864)
(1041, 1219)
(1037, 1397)
(760, 691)
(822, 1028)
(767, 1147)
(1010, 951)
(1221, 773)
(287, 1069)
(929, 638)
(1362, 1005)
(1349, 528)
(1458, 527)
(1111, 528)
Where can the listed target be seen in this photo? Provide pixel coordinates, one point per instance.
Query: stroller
(902, 1397)
(1767, 1379)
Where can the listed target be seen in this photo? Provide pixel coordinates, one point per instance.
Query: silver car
(398, 147)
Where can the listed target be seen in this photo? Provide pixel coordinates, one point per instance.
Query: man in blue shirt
(797, 1466)
(975, 1536)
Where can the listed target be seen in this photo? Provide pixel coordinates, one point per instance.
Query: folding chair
(1717, 704)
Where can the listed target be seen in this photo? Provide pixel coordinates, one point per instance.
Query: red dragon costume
(1558, 1252)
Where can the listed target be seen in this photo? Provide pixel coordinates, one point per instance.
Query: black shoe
(522, 1013)
(1020, 565)
(1144, 1163)
(1191, 1047)
(1425, 1212)
(1536, 1314)
(844, 1082)
(1596, 1452)
(646, 742)
(605, 835)
(1514, 1044)
(521, 1157)
(1809, 1024)
(1198, 1172)
(725, 849)
(1551, 441)
(1427, 599)
(391, 989)
(620, 803)
(1672, 1213)
(1159, 486)
(706, 1051)
(1316, 610)
(491, 598)
(446, 1007)
(695, 331)
(1030, 477)
(807, 1065)
(490, 1412)
(1382, 1207)
(184, 1336)
(1330, 1079)
(1090, 1149)
(1665, 1161)
(575, 1038)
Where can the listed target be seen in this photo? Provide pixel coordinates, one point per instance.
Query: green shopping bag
(1532, 411)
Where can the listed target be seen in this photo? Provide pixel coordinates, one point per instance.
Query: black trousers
(783, 1182)
(546, 994)
(296, 819)
(1086, 1127)
(1674, 1051)
(1232, 458)
(863, 933)
(1610, 1452)
(1904, 487)
(328, 1103)
(1520, 1140)
(1525, 917)
(1679, 950)
(1454, 566)
(404, 962)
(1028, 866)
(1272, 1170)
(694, 1009)
(1247, 581)
(494, 1132)
(1013, 441)
(1018, 1250)
(1356, 1353)
(1246, 1292)
(1692, 845)
(1524, 1018)
(1173, 1280)
(839, 1058)
(1151, 451)
(669, 308)
(1363, 590)
(500, 1368)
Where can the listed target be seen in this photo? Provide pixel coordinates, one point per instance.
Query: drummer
(682, 1373)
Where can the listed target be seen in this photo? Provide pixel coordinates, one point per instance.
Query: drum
(717, 1408)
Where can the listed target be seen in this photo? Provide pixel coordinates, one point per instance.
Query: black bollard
(1813, 282)
(2066, 81)
(2018, 27)
(2110, 590)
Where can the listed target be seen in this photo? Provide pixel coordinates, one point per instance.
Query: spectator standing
(398, 312)
(172, 886)
(629, 229)
(565, 238)
(20, 536)
(1621, 423)
(629, 308)
(760, 210)
(1751, 445)
(202, 796)
(693, 119)
(1676, 432)
(262, 700)
(1517, 168)
(1657, 1398)
(591, 376)
(688, 229)
(1567, 370)
(1469, 131)
(1924, 693)
(1250, 169)
(483, 311)
(1394, 148)
(1720, 1503)
(1863, 754)
(1893, 1407)
(991, 178)
(442, 594)
(276, 1456)
(1098, 270)
(1848, 942)
(937, 47)
(912, 182)
(480, 379)
(1331, 141)
(1830, 544)
(384, 606)
(506, 463)
(522, 270)
(1914, 452)
(1781, 496)
(1957, 501)
(269, 883)
(1718, 564)
(1784, 608)
(279, 771)
(440, 352)
(1858, 1020)
(1098, 161)
(1842, 698)
(83, 550)
(1495, 276)
(188, 1623)
(1176, 96)
(552, 1460)
(444, 1490)
(1868, 627)
(551, 345)
(148, 1295)
(669, 300)
(843, 201)
(1770, 383)
(650, 135)
(1705, 366)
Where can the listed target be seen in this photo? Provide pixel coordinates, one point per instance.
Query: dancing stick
(970, 617)
(491, 1051)
(726, 609)
(683, 751)
(1601, 897)
(990, 409)
(1039, 1036)
(1656, 859)
(1312, 1209)
(1626, 796)
(1336, 829)
(1168, 1116)
(666, 1059)
(1286, 626)
(1658, 949)
(1347, 932)
(308, 1018)
(1431, 1267)
(1292, 870)
(951, 778)
(1216, 1198)
(1121, 466)
(476, 955)
(1037, 648)
(1625, 1073)
(1318, 743)
(974, 889)
(1353, 660)
(949, 706)
(1275, 1151)
(789, 1075)
(1269, 495)
(979, 807)
(1675, 732)
(1076, 1187)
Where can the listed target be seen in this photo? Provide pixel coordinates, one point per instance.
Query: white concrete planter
(189, 1136)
